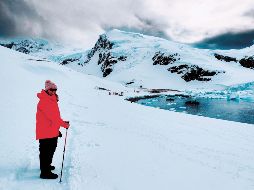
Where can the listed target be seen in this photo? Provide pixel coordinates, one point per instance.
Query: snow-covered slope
(138, 60)
(238, 53)
(112, 143)
(153, 62)
(44, 50)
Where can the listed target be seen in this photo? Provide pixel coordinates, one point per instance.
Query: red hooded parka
(48, 119)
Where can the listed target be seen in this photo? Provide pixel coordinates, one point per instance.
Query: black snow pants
(47, 149)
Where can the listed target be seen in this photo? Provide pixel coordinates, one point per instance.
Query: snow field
(112, 143)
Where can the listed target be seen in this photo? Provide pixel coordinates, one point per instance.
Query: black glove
(60, 134)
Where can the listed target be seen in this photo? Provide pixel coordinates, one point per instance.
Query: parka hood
(43, 94)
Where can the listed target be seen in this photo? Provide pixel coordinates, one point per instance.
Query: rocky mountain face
(224, 58)
(129, 55)
(194, 72)
(104, 50)
(106, 60)
(247, 61)
(26, 46)
(161, 59)
(44, 49)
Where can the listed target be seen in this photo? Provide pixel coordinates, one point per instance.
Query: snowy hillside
(136, 60)
(112, 143)
(43, 49)
(27, 46)
(150, 62)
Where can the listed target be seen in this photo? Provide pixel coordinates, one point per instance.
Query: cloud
(7, 26)
(249, 13)
(147, 26)
(81, 21)
(228, 41)
(19, 18)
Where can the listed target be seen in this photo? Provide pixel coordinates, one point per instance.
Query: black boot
(48, 175)
(52, 167)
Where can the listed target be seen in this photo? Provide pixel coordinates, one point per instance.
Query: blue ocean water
(240, 110)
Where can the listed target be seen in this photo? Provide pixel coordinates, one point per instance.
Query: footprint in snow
(100, 124)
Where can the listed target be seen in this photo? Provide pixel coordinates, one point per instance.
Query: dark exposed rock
(67, 61)
(122, 58)
(107, 61)
(39, 60)
(178, 69)
(102, 44)
(247, 62)
(193, 72)
(160, 90)
(101, 88)
(107, 71)
(192, 103)
(129, 83)
(135, 99)
(154, 91)
(23, 50)
(161, 59)
(8, 45)
(224, 58)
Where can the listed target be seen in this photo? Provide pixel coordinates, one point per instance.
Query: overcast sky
(207, 23)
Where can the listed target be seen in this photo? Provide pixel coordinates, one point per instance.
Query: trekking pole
(63, 156)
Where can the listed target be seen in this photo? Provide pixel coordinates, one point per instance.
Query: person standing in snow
(48, 122)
